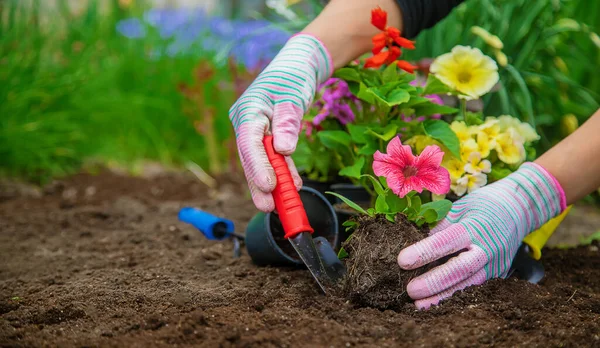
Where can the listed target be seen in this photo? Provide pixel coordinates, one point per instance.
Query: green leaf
(380, 204)
(397, 97)
(334, 139)
(441, 131)
(439, 208)
(428, 109)
(386, 133)
(395, 203)
(416, 100)
(349, 203)
(368, 94)
(347, 74)
(350, 225)
(357, 133)
(354, 171)
(415, 203)
(371, 211)
(435, 86)
(429, 216)
(590, 239)
(376, 184)
(386, 88)
(303, 156)
(371, 77)
(474, 119)
(390, 74)
(498, 173)
(342, 254)
(390, 217)
(368, 150)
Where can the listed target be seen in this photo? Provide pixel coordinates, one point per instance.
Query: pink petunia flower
(405, 172)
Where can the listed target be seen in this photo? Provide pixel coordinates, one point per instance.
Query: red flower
(406, 66)
(389, 38)
(379, 18)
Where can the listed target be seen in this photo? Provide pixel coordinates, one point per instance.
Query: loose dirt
(101, 261)
(374, 278)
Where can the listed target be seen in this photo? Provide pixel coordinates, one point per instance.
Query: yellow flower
(419, 142)
(468, 147)
(455, 167)
(523, 129)
(486, 136)
(476, 165)
(462, 131)
(509, 146)
(469, 183)
(467, 70)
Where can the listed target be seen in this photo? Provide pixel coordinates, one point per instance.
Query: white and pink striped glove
(276, 101)
(488, 226)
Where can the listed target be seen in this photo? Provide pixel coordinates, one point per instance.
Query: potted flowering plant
(360, 109)
(379, 104)
(397, 219)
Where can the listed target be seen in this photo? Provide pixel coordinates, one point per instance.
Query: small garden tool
(212, 227)
(317, 257)
(526, 264)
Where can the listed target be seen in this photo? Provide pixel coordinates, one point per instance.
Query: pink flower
(405, 172)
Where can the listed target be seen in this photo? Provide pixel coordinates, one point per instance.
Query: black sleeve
(418, 15)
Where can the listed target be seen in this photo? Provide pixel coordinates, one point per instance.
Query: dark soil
(374, 278)
(101, 261)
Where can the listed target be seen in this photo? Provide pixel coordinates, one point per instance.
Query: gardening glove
(276, 101)
(488, 226)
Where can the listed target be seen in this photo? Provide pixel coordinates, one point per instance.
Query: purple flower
(335, 102)
(131, 28)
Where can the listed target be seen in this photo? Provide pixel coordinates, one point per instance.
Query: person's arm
(344, 27)
(575, 161)
(489, 224)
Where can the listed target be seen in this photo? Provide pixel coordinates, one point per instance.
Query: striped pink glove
(276, 102)
(488, 225)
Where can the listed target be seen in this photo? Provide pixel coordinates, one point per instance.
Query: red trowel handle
(287, 200)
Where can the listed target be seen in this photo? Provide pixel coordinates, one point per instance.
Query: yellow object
(466, 70)
(537, 239)
(569, 124)
(487, 37)
(501, 58)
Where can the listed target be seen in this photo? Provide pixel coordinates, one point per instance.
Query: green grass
(75, 89)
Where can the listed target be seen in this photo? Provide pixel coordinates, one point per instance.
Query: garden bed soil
(101, 261)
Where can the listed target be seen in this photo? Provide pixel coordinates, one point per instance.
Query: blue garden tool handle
(212, 227)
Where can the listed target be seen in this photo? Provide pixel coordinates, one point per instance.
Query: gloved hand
(489, 225)
(276, 102)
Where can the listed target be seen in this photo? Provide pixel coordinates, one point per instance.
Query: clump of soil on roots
(374, 278)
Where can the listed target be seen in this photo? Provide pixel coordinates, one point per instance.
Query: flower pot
(353, 192)
(265, 240)
(320, 186)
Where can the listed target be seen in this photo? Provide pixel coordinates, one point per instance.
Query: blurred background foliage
(121, 81)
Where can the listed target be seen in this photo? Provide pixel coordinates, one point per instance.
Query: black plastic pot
(320, 186)
(353, 192)
(264, 235)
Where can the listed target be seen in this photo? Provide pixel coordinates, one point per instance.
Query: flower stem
(463, 108)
